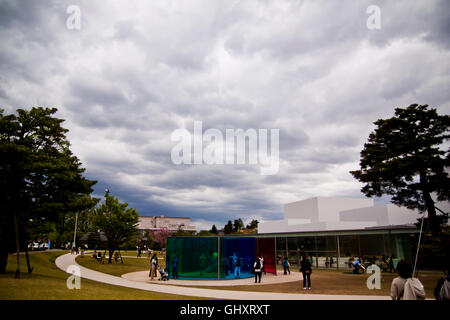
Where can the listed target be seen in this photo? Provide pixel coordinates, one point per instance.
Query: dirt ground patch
(339, 282)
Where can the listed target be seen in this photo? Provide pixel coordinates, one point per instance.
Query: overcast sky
(135, 71)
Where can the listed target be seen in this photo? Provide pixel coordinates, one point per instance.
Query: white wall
(378, 214)
(329, 208)
(327, 214)
(305, 209)
(402, 215)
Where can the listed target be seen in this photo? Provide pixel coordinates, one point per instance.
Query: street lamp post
(75, 232)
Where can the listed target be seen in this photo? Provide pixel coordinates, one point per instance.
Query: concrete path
(64, 261)
(142, 276)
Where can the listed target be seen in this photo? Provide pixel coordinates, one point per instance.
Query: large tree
(405, 158)
(39, 176)
(252, 225)
(238, 225)
(118, 222)
(228, 227)
(214, 229)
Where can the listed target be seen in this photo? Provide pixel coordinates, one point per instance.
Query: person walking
(175, 268)
(286, 265)
(442, 289)
(306, 270)
(404, 271)
(391, 264)
(153, 266)
(257, 268)
(237, 269)
(263, 268)
(405, 287)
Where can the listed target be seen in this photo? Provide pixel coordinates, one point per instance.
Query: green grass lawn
(115, 268)
(47, 282)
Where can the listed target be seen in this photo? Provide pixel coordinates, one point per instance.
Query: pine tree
(404, 158)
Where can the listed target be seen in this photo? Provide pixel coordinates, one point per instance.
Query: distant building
(171, 224)
(342, 229)
(323, 214)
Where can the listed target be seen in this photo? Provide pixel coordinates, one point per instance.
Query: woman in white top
(153, 266)
(404, 271)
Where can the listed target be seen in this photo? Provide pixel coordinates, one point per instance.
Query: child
(164, 275)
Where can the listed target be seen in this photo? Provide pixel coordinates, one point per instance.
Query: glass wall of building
(326, 251)
(340, 250)
(265, 247)
(199, 257)
(237, 256)
(282, 249)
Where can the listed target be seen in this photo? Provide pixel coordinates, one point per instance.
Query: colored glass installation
(218, 257)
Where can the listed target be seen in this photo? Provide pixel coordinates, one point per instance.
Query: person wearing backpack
(257, 268)
(442, 289)
(405, 286)
(286, 265)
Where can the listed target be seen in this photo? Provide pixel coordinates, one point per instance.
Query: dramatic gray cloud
(138, 70)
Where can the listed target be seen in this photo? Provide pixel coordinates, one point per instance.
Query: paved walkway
(142, 276)
(64, 261)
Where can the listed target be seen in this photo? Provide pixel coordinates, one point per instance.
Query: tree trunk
(30, 269)
(110, 255)
(120, 255)
(16, 231)
(429, 203)
(3, 259)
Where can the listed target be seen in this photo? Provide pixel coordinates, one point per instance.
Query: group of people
(139, 251)
(76, 250)
(99, 256)
(155, 267)
(403, 287)
(386, 263)
(406, 287)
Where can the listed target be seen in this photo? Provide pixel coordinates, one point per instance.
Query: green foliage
(40, 178)
(205, 233)
(214, 229)
(228, 229)
(404, 158)
(252, 225)
(160, 237)
(118, 222)
(435, 250)
(183, 233)
(238, 225)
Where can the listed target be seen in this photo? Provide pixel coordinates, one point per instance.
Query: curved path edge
(63, 262)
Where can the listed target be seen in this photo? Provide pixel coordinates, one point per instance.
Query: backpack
(413, 290)
(258, 266)
(445, 290)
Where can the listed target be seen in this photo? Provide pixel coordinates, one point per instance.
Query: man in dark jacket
(306, 270)
(437, 289)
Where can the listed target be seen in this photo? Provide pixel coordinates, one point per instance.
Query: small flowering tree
(161, 236)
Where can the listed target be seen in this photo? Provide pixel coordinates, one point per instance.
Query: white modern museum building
(334, 231)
